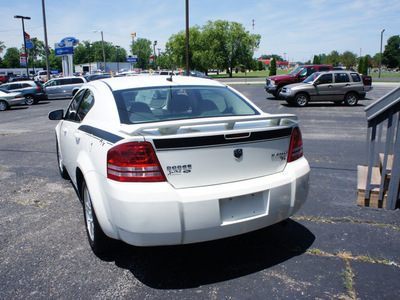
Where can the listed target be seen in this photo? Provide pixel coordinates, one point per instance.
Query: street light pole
(154, 53)
(187, 38)
(23, 36)
(104, 54)
(117, 57)
(46, 42)
(380, 55)
(90, 71)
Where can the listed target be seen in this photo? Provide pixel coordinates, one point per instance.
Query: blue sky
(294, 29)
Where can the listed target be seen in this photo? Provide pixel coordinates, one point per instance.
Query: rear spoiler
(172, 127)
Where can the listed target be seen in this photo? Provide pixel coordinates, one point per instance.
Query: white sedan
(167, 160)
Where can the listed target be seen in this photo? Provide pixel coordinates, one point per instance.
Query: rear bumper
(153, 214)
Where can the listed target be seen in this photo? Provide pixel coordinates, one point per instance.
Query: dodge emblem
(238, 153)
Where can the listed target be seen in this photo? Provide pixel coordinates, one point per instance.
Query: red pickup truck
(275, 84)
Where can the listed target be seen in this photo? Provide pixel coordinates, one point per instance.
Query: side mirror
(56, 115)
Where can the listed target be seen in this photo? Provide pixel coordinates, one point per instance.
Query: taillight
(296, 145)
(134, 162)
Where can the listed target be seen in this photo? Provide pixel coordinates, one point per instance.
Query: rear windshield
(175, 103)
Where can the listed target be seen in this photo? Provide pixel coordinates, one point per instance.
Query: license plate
(243, 207)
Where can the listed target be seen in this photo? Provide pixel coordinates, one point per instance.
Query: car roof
(121, 83)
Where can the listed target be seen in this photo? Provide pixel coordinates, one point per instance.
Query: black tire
(277, 92)
(351, 99)
(3, 105)
(301, 99)
(29, 100)
(61, 167)
(98, 241)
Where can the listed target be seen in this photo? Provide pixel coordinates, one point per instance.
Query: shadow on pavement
(188, 266)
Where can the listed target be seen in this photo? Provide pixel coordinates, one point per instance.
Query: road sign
(132, 59)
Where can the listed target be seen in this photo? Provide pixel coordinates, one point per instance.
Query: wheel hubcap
(301, 100)
(3, 106)
(88, 214)
(351, 99)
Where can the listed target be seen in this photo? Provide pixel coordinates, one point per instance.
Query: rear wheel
(98, 241)
(301, 99)
(29, 100)
(3, 105)
(351, 99)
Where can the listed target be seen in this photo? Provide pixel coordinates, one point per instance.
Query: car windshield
(312, 77)
(295, 71)
(175, 103)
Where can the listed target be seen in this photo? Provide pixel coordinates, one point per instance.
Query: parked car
(3, 78)
(66, 87)
(336, 86)
(96, 77)
(8, 99)
(274, 84)
(41, 76)
(161, 161)
(20, 78)
(33, 91)
(196, 74)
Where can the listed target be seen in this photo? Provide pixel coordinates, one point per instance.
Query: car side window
(341, 77)
(310, 71)
(355, 77)
(26, 85)
(85, 105)
(324, 69)
(73, 107)
(324, 79)
(14, 86)
(76, 80)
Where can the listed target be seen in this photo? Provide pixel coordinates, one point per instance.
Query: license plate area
(243, 207)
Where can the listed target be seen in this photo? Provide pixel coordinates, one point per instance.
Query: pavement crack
(348, 256)
(350, 220)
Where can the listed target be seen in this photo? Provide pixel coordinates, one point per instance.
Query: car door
(342, 85)
(324, 88)
(53, 88)
(69, 136)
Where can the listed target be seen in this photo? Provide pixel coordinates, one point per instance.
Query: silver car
(59, 88)
(8, 99)
(335, 86)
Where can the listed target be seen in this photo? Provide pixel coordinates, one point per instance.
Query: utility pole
(23, 36)
(380, 55)
(187, 38)
(46, 46)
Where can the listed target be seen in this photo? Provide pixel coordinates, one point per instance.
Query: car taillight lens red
(134, 162)
(296, 145)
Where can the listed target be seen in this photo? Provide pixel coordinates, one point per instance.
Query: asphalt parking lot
(331, 249)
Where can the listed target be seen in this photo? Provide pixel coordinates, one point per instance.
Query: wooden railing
(379, 186)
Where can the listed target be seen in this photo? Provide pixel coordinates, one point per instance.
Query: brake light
(296, 145)
(134, 162)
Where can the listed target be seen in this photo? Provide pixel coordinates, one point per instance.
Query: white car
(161, 160)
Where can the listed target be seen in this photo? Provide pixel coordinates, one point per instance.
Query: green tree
(360, 66)
(348, 58)
(36, 54)
(230, 44)
(316, 60)
(366, 64)
(11, 58)
(391, 55)
(333, 58)
(272, 68)
(142, 48)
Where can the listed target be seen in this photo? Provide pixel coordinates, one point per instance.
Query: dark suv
(33, 91)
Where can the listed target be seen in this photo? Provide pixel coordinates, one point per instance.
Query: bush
(272, 68)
